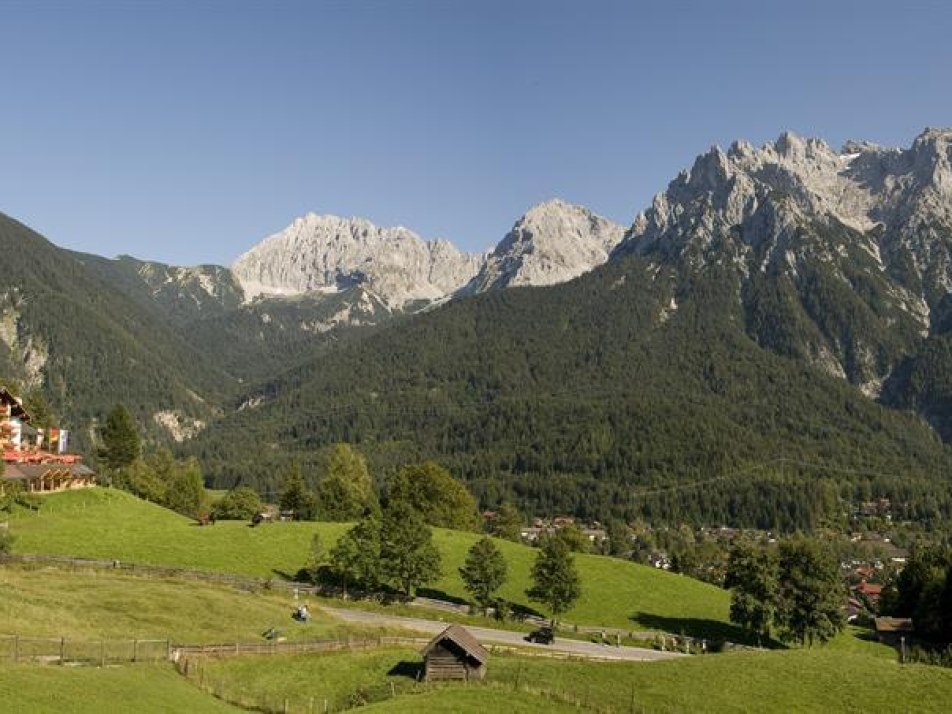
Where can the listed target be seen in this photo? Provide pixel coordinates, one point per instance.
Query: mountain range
(787, 302)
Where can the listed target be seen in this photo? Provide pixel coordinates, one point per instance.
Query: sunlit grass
(111, 524)
(144, 689)
(819, 679)
(91, 605)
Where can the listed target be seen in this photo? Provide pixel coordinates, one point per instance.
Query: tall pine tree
(120, 445)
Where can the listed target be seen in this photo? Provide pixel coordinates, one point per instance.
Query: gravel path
(506, 637)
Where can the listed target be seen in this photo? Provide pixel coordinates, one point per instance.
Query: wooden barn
(454, 654)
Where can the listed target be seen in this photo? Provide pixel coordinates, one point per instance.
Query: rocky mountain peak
(871, 225)
(862, 186)
(553, 242)
(328, 253)
(931, 156)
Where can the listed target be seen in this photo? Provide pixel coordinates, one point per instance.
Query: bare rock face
(330, 254)
(883, 193)
(855, 245)
(552, 243)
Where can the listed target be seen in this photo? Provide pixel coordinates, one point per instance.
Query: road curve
(506, 637)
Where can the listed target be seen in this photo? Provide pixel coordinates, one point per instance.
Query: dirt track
(507, 637)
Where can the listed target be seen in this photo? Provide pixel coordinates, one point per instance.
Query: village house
(39, 459)
(454, 654)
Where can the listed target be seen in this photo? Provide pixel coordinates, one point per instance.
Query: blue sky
(187, 131)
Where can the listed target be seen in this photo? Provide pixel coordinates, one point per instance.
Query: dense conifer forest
(588, 399)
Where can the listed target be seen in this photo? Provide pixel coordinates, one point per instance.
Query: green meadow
(849, 674)
(102, 523)
(86, 604)
(144, 689)
(821, 679)
(475, 700)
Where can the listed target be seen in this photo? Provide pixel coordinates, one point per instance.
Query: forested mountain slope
(618, 392)
(87, 344)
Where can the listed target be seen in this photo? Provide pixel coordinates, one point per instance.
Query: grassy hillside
(88, 690)
(112, 524)
(471, 701)
(92, 605)
(820, 679)
(105, 523)
(350, 680)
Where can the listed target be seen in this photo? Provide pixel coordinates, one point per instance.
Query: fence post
(135, 650)
(102, 653)
(62, 650)
(16, 648)
(168, 649)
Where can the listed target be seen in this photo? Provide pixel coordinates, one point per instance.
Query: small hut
(891, 630)
(454, 654)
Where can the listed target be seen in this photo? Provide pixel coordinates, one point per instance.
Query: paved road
(506, 637)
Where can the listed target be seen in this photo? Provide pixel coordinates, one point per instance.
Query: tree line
(923, 591)
(394, 549)
(792, 592)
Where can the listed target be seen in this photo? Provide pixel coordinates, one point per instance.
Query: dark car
(543, 636)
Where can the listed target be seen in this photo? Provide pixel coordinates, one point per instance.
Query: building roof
(894, 624)
(869, 588)
(16, 406)
(461, 637)
(28, 472)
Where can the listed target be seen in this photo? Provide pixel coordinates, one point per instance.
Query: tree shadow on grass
(435, 594)
(699, 628)
(301, 576)
(410, 670)
(522, 612)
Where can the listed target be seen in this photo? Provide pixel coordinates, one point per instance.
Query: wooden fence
(159, 571)
(666, 640)
(64, 650)
(181, 653)
(68, 650)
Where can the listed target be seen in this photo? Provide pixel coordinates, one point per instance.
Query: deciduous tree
(441, 499)
(239, 504)
(574, 538)
(508, 523)
(355, 558)
(810, 592)
(484, 572)
(555, 580)
(408, 557)
(186, 489)
(346, 490)
(752, 580)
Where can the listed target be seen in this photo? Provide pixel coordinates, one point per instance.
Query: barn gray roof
(462, 639)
